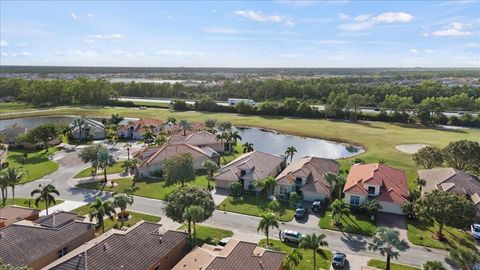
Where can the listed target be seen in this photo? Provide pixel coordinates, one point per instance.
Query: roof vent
(1, 235)
(160, 240)
(104, 246)
(261, 265)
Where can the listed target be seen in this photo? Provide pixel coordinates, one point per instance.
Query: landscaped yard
(208, 235)
(419, 234)
(30, 202)
(37, 164)
(117, 168)
(147, 187)
(251, 205)
(324, 256)
(394, 266)
(353, 223)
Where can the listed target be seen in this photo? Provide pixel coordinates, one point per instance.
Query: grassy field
(9, 107)
(353, 223)
(147, 187)
(394, 266)
(419, 234)
(152, 104)
(30, 202)
(378, 138)
(253, 206)
(208, 235)
(37, 164)
(117, 168)
(324, 257)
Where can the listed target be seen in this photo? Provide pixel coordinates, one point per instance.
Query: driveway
(393, 221)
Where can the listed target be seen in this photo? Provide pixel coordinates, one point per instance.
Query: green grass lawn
(353, 223)
(152, 104)
(419, 234)
(117, 168)
(378, 138)
(30, 202)
(251, 205)
(394, 266)
(208, 235)
(147, 187)
(37, 164)
(324, 256)
(10, 107)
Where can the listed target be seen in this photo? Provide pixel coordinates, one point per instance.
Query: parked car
(316, 206)
(301, 212)
(476, 231)
(224, 241)
(291, 236)
(339, 260)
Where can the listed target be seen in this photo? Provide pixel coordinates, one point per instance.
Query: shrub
(236, 189)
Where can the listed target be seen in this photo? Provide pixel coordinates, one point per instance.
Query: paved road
(244, 227)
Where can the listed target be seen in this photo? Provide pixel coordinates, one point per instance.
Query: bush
(294, 197)
(179, 105)
(236, 189)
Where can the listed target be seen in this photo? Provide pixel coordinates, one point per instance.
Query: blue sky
(241, 34)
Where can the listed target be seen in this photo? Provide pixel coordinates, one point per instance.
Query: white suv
(291, 236)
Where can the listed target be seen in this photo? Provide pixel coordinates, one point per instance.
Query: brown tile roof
(393, 182)
(13, 213)
(24, 242)
(140, 123)
(169, 150)
(140, 247)
(314, 168)
(196, 138)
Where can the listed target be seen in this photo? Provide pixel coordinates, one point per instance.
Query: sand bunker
(410, 148)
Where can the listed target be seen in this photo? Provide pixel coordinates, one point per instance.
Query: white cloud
(289, 23)
(20, 54)
(472, 45)
(3, 44)
(425, 51)
(214, 10)
(178, 53)
(429, 51)
(220, 30)
(90, 15)
(343, 16)
(391, 17)
(259, 16)
(362, 18)
(454, 29)
(365, 21)
(74, 15)
(414, 51)
(4, 54)
(96, 37)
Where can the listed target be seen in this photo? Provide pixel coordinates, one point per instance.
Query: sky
(241, 33)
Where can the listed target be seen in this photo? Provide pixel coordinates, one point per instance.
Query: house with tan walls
(200, 139)
(135, 129)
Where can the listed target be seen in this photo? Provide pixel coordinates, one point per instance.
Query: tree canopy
(186, 196)
(179, 169)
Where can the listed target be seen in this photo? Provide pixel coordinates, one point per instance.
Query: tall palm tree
(45, 194)
(294, 258)
(185, 126)
(247, 147)
(464, 258)
(336, 181)
(234, 138)
(224, 137)
(387, 242)
(211, 167)
(339, 209)
(100, 209)
(290, 152)
(269, 220)
(4, 189)
(194, 214)
(12, 176)
(122, 200)
(79, 123)
(148, 136)
(103, 160)
(314, 243)
(134, 163)
(420, 183)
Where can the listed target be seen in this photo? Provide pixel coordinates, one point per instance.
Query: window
(298, 181)
(62, 252)
(371, 191)
(242, 173)
(354, 200)
(283, 190)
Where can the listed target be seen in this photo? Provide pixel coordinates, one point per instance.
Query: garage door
(391, 208)
(312, 196)
(222, 184)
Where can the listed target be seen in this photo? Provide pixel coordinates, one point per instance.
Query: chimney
(160, 240)
(104, 246)
(53, 219)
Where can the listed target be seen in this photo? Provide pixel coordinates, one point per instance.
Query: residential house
(249, 168)
(3, 154)
(176, 129)
(377, 181)
(136, 129)
(144, 246)
(236, 255)
(452, 180)
(153, 158)
(306, 176)
(200, 139)
(12, 132)
(91, 129)
(14, 213)
(37, 244)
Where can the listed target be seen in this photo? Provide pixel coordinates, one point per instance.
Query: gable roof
(140, 123)
(139, 247)
(169, 150)
(14, 213)
(314, 169)
(25, 241)
(258, 165)
(393, 182)
(196, 138)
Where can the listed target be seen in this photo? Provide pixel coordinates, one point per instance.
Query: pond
(276, 143)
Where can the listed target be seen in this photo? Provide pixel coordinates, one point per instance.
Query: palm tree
(269, 220)
(247, 147)
(211, 167)
(4, 189)
(336, 180)
(420, 183)
(103, 160)
(134, 165)
(194, 214)
(148, 136)
(339, 209)
(185, 126)
(466, 259)
(122, 200)
(234, 138)
(161, 140)
(295, 257)
(224, 137)
(290, 152)
(128, 146)
(78, 123)
(100, 209)
(387, 241)
(12, 176)
(45, 194)
(314, 243)
(269, 184)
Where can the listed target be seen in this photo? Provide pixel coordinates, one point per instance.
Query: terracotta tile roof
(139, 247)
(196, 138)
(13, 213)
(169, 150)
(393, 181)
(140, 123)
